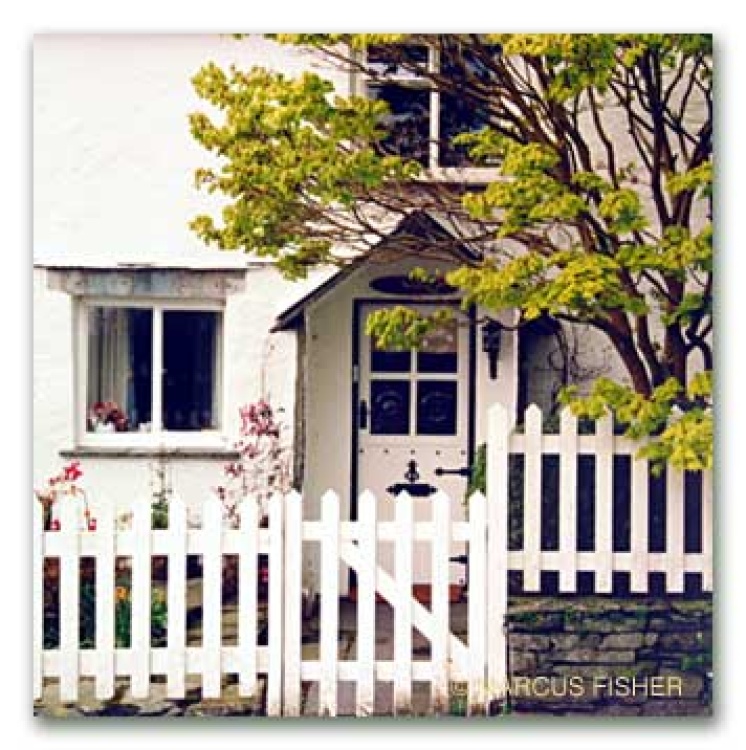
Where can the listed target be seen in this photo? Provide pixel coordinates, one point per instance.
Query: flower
(72, 471)
(107, 412)
(121, 594)
(63, 485)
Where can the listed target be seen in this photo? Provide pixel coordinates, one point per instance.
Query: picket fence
(479, 660)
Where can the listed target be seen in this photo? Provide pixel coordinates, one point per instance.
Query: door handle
(464, 471)
(362, 420)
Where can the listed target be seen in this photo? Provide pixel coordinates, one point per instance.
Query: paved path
(230, 704)
(384, 651)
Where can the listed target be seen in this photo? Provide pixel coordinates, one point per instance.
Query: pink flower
(54, 525)
(72, 471)
(91, 524)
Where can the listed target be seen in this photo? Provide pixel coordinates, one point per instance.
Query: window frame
(361, 80)
(157, 437)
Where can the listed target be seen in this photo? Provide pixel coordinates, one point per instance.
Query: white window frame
(433, 170)
(157, 437)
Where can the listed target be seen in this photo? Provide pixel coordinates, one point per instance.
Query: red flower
(72, 471)
(91, 524)
(54, 525)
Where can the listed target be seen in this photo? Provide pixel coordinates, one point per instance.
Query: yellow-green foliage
(621, 244)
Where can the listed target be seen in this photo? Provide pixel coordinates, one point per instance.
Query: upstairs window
(152, 369)
(423, 121)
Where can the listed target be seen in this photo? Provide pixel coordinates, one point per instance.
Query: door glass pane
(190, 385)
(119, 387)
(388, 360)
(439, 350)
(436, 407)
(389, 407)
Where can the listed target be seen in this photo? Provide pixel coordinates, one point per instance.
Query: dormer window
(424, 118)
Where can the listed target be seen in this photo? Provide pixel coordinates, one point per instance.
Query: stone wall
(636, 657)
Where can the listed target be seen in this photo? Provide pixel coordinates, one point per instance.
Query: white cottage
(129, 308)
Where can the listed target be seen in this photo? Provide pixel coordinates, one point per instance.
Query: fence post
(497, 476)
(293, 570)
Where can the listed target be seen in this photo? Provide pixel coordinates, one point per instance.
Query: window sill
(466, 174)
(144, 451)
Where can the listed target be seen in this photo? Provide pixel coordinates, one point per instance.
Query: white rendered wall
(113, 156)
(113, 182)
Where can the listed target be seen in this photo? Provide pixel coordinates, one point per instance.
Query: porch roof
(418, 224)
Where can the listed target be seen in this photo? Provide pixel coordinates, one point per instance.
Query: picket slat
(247, 596)
(69, 537)
(329, 615)
(37, 598)
(141, 600)
(274, 606)
(707, 530)
(568, 501)
(441, 551)
(212, 597)
(366, 604)
(105, 588)
(403, 566)
(639, 511)
(476, 613)
(604, 529)
(293, 592)
(532, 500)
(176, 598)
(674, 530)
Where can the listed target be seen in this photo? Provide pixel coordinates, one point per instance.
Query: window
(151, 369)
(416, 392)
(422, 121)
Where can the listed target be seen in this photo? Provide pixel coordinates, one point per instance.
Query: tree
(600, 151)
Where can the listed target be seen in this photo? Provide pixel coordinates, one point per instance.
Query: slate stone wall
(635, 657)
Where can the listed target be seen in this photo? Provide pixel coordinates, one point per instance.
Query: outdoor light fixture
(491, 344)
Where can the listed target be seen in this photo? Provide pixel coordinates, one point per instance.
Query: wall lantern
(491, 344)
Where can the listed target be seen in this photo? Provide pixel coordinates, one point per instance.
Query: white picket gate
(479, 660)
